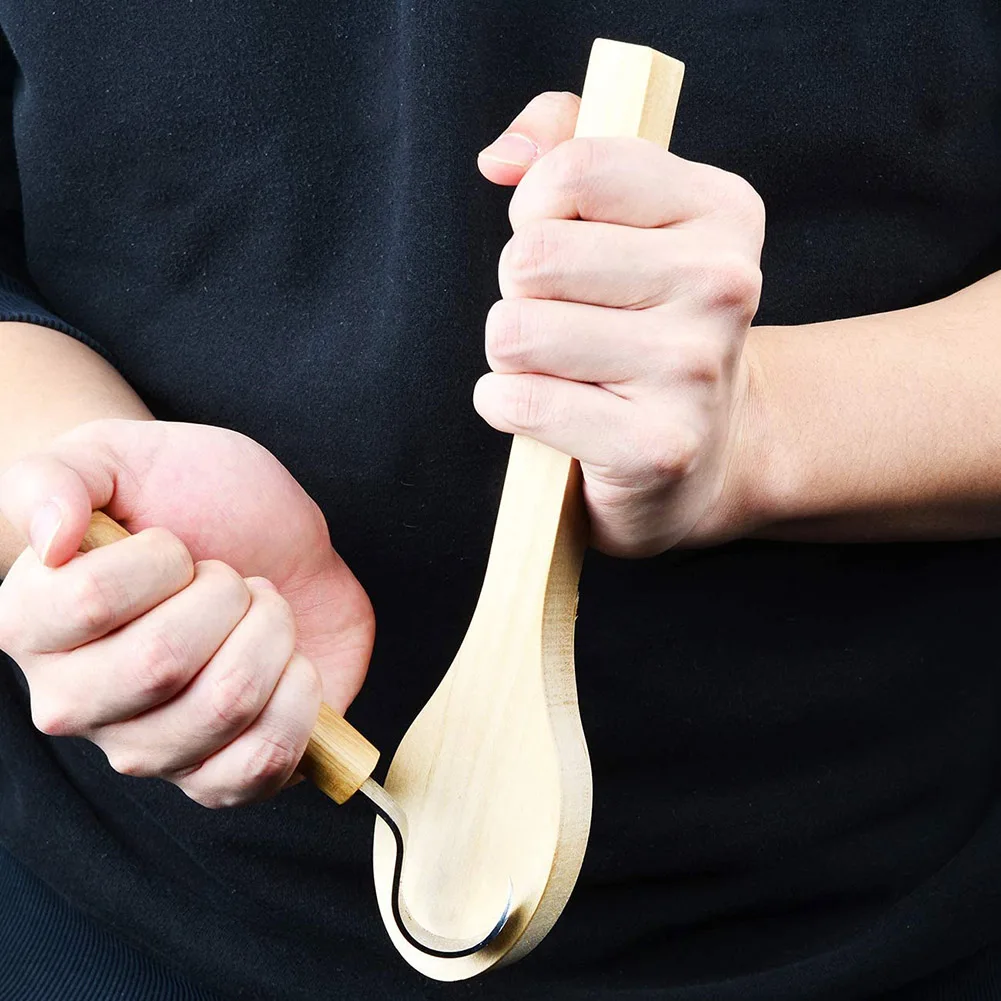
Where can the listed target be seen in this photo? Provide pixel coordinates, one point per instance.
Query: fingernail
(263, 583)
(512, 148)
(44, 526)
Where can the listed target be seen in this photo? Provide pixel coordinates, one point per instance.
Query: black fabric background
(269, 216)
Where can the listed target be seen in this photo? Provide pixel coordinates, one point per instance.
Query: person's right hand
(199, 649)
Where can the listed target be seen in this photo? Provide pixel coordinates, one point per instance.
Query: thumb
(335, 627)
(49, 497)
(547, 120)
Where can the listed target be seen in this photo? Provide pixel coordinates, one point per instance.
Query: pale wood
(493, 775)
(102, 531)
(338, 758)
(629, 90)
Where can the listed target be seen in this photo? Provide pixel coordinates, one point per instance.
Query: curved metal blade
(411, 929)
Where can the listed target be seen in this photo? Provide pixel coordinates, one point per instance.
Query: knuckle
(698, 361)
(530, 254)
(173, 559)
(678, 454)
(52, 717)
(723, 280)
(508, 341)
(528, 405)
(235, 699)
(226, 583)
(671, 454)
(126, 761)
(270, 763)
(93, 602)
(160, 665)
(735, 283)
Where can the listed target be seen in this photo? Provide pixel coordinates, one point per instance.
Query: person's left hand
(628, 289)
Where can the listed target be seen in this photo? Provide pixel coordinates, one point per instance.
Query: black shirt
(268, 216)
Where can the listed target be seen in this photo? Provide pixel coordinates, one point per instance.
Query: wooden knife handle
(338, 758)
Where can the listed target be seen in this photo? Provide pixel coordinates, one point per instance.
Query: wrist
(755, 481)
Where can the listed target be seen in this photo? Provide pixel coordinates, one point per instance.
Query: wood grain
(338, 758)
(102, 531)
(493, 774)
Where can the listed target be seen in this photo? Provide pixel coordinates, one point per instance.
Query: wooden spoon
(493, 774)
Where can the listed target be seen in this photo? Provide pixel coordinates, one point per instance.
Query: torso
(269, 215)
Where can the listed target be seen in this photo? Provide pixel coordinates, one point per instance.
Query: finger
(144, 663)
(95, 593)
(264, 757)
(578, 419)
(624, 443)
(572, 340)
(547, 121)
(631, 182)
(608, 265)
(624, 350)
(49, 498)
(223, 700)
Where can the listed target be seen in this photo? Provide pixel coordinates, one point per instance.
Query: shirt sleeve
(20, 300)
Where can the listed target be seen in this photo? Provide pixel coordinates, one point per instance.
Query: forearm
(875, 428)
(50, 383)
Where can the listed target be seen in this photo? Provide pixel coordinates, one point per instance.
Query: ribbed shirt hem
(49, 951)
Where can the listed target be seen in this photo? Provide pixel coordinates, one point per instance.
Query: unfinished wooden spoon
(493, 774)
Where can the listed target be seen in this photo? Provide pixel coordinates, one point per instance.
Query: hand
(197, 650)
(628, 288)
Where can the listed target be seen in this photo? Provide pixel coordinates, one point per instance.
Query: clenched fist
(198, 649)
(628, 288)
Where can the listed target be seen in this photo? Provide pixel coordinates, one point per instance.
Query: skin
(198, 650)
(693, 427)
(628, 285)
